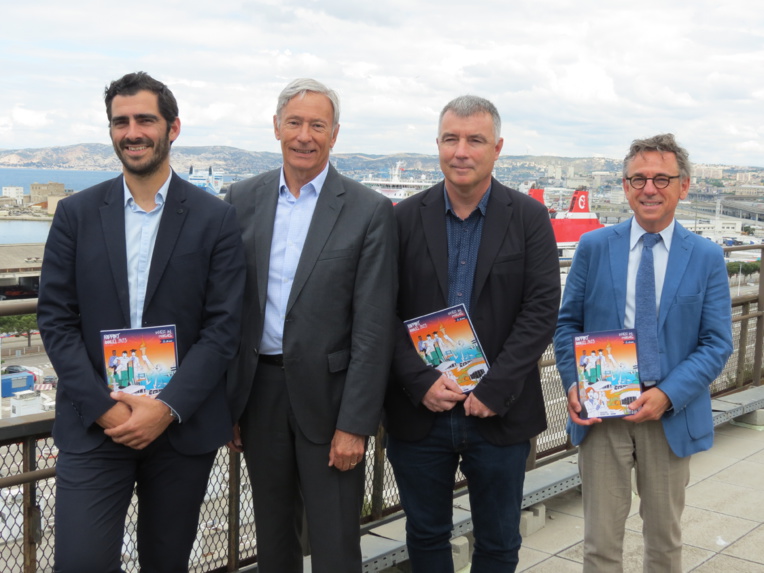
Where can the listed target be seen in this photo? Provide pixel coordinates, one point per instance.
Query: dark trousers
(425, 471)
(289, 473)
(93, 493)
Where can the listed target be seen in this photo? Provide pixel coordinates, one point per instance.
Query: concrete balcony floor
(722, 524)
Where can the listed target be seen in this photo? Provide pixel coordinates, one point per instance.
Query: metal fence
(226, 536)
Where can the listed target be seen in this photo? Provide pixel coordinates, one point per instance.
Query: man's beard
(148, 166)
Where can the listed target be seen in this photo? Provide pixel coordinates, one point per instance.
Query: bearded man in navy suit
(672, 418)
(144, 249)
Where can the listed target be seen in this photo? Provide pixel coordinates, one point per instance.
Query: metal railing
(226, 537)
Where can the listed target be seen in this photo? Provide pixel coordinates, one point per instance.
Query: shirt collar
(159, 199)
(637, 231)
(316, 184)
(482, 204)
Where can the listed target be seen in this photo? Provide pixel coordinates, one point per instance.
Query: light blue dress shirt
(660, 261)
(141, 230)
(290, 227)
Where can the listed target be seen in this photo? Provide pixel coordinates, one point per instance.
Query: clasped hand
(135, 421)
(444, 394)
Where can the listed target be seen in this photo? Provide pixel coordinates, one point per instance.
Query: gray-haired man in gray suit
(308, 385)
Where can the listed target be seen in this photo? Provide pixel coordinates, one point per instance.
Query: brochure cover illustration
(608, 375)
(140, 361)
(446, 340)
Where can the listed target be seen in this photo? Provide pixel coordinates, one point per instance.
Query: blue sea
(76, 180)
(15, 232)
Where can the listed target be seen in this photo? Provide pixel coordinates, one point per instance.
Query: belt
(273, 359)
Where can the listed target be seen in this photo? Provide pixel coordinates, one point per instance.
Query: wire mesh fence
(226, 533)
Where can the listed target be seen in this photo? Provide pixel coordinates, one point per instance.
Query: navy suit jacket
(516, 294)
(195, 282)
(694, 323)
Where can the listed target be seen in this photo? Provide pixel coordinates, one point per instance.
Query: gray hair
(469, 105)
(300, 87)
(663, 143)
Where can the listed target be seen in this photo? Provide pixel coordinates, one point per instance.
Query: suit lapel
(173, 216)
(679, 257)
(265, 199)
(618, 247)
(113, 226)
(497, 220)
(432, 211)
(328, 207)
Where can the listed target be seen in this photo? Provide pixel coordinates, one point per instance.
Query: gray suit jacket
(338, 331)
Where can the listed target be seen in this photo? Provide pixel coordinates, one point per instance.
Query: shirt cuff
(173, 413)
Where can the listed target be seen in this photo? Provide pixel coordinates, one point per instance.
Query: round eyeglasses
(660, 181)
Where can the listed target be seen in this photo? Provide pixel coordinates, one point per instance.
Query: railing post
(234, 515)
(32, 526)
(759, 327)
(378, 476)
(742, 346)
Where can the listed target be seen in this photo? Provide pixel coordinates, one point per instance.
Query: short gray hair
(663, 143)
(300, 87)
(469, 105)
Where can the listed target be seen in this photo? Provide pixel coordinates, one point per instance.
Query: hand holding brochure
(446, 340)
(140, 361)
(608, 374)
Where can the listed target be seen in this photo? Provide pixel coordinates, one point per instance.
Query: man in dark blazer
(672, 418)
(144, 249)
(310, 378)
(470, 240)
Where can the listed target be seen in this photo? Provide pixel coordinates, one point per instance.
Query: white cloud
(29, 118)
(574, 79)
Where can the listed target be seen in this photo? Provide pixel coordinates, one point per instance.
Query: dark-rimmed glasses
(660, 181)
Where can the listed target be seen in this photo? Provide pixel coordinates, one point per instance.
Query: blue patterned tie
(646, 315)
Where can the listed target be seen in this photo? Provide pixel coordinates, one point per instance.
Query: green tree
(750, 268)
(20, 324)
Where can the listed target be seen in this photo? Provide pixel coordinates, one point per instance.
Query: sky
(573, 79)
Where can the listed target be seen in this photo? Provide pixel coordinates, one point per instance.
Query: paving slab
(727, 564)
(531, 557)
(706, 464)
(711, 530)
(555, 565)
(750, 547)
(727, 499)
(560, 532)
(738, 442)
(569, 503)
(743, 473)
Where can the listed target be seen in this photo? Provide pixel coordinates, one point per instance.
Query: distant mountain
(96, 157)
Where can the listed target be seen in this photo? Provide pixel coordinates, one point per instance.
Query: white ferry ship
(210, 180)
(396, 188)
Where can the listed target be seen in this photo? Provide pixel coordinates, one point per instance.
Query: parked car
(16, 369)
(53, 380)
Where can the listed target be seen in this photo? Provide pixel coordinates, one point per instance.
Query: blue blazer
(694, 323)
(196, 281)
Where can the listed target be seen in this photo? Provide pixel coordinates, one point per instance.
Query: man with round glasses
(651, 274)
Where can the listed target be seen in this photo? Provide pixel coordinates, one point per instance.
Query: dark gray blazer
(338, 337)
